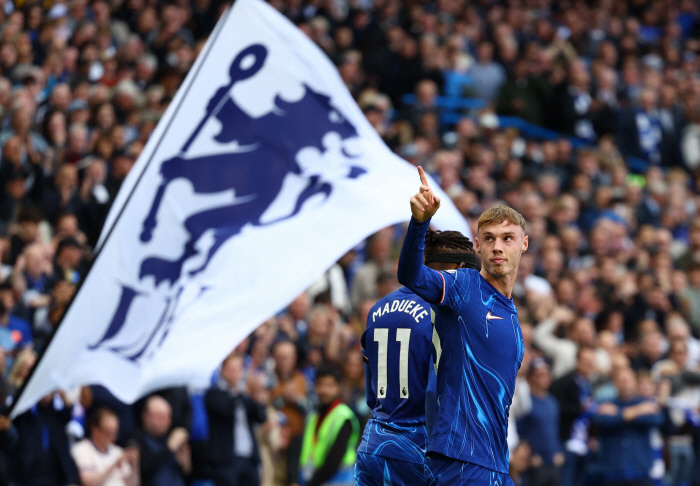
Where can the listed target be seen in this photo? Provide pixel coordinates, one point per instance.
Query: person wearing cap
(540, 427)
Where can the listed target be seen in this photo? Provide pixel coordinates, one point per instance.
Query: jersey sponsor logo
(491, 317)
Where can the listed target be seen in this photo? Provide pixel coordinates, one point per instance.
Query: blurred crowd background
(583, 115)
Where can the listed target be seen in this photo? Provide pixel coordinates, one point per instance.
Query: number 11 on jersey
(381, 337)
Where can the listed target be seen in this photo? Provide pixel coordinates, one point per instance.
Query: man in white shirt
(100, 462)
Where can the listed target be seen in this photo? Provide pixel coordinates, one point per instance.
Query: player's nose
(498, 245)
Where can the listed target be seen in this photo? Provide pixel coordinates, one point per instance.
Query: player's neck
(504, 284)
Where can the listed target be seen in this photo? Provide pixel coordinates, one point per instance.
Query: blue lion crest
(268, 147)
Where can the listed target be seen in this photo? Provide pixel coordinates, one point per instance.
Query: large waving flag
(261, 174)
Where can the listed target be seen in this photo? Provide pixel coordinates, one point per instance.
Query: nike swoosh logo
(490, 316)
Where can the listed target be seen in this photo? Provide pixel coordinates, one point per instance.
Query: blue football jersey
(479, 348)
(397, 347)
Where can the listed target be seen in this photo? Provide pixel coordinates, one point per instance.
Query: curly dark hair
(447, 242)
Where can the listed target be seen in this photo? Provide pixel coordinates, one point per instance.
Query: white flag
(261, 174)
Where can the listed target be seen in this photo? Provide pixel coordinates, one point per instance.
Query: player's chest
(491, 332)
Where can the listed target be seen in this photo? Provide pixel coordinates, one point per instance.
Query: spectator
(425, 104)
(563, 351)
(15, 332)
(624, 425)
(573, 97)
(19, 371)
(291, 393)
(28, 222)
(164, 453)
(650, 350)
(77, 144)
(233, 451)
(179, 400)
(523, 95)
(330, 437)
(285, 468)
(520, 460)
(101, 397)
(639, 132)
(95, 199)
(522, 400)
(68, 261)
(364, 286)
(488, 75)
(574, 391)
(32, 280)
(683, 400)
(540, 427)
(99, 460)
(37, 445)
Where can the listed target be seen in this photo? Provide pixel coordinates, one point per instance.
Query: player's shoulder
(402, 293)
(460, 272)
(463, 275)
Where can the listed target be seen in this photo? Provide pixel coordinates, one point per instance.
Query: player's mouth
(498, 260)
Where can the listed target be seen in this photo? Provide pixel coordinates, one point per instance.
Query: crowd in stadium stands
(608, 292)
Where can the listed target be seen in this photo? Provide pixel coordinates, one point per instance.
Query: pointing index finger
(423, 179)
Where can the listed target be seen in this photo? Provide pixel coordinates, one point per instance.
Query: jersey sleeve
(456, 285)
(423, 281)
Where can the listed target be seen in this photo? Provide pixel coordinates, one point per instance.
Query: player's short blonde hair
(499, 214)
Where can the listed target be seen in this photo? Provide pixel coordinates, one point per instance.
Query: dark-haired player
(397, 348)
(479, 345)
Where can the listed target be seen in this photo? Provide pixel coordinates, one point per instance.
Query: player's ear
(526, 243)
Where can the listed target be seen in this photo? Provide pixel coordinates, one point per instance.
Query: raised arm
(423, 281)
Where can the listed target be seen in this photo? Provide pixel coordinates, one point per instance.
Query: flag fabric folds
(261, 174)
